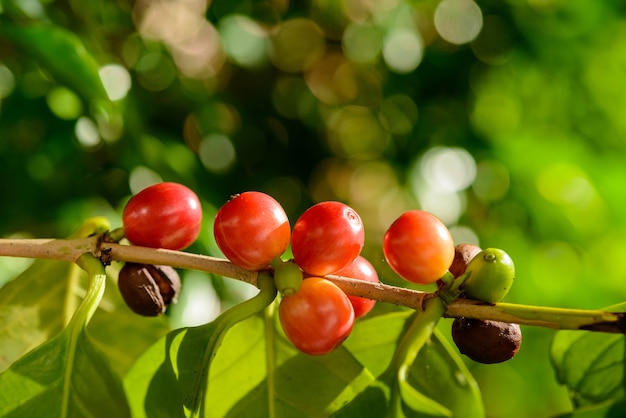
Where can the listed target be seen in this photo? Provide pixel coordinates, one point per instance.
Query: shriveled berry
(147, 289)
(486, 341)
(463, 254)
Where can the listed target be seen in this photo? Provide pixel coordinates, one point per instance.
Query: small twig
(556, 318)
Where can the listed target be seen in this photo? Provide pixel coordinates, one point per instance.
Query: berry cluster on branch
(326, 274)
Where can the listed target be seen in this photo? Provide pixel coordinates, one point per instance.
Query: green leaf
(62, 378)
(590, 364)
(440, 374)
(38, 303)
(66, 376)
(256, 370)
(605, 410)
(181, 362)
(437, 384)
(62, 54)
(35, 306)
(119, 332)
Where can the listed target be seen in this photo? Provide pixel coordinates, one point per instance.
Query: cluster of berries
(252, 230)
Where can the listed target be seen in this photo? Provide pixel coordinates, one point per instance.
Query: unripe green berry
(491, 274)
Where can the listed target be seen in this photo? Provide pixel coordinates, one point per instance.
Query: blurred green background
(504, 118)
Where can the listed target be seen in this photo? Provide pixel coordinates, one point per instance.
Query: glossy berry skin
(318, 317)
(491, 275)
(327, 237)
(419, 247)
(362, 269)
(164, 215)
(251, 229)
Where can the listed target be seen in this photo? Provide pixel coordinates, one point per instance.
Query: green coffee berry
(491, 274)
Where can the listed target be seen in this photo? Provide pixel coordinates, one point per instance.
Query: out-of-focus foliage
(504, 118)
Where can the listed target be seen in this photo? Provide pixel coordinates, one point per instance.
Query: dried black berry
(148, 290)
(486, 341)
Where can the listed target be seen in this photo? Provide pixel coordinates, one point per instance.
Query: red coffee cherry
(362, 269)
(164, 215)
(419, 247)
(327, 237)
(317, 317)
(251, 229)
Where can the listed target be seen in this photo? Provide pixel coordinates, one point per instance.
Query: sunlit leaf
(35, 306)
(248, 377)
(67, 375)
(63, 377)
(38, 303)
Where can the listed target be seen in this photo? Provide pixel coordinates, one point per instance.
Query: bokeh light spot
(362, 43)
(458, 21)
(64, 103)
(403, 50)
(217, 153)
(448, 169)
(245, 41)
(198, 303)
(86, 132)
(7, 81)
(116, 81)
(332, 80)
(370, 181)
(141, 177)
(297, 44)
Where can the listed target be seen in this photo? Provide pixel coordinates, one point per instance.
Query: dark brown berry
(486, 341)
(148, 290)
(463, 254)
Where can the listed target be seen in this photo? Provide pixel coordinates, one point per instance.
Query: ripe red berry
(251, 229)
(327, 237)
(316, 318)
(419, 247)
(164, 215)
(362, 269)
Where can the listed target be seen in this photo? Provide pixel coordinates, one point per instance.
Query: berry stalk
(556, 318)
